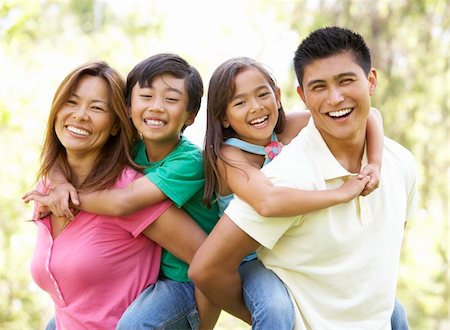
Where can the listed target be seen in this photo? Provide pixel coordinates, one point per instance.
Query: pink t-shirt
(97, 265)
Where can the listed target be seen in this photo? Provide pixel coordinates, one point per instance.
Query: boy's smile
(159, 111)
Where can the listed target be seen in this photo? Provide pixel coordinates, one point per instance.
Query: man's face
(337, 92)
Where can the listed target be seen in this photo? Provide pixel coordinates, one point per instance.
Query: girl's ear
(278, 96)
(225, 122)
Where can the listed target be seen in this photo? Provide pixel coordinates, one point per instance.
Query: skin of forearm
(224, 289)
(284, 202)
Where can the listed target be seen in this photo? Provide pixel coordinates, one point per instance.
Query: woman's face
(84, 122)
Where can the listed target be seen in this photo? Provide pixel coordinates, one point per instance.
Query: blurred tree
(409, 40)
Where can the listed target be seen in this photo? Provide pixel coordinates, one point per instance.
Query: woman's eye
(98, 109)
(71, 102)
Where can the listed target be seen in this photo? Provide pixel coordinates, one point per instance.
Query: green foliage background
(40, 41)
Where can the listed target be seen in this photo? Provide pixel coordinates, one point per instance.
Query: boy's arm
(62, 193)
(375, 136)
(269, 200)
(122, 201)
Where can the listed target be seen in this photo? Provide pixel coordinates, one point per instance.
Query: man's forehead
(331, 67)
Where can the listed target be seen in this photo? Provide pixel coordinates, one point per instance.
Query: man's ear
(190, 119)
(301, 93)
(372, 78)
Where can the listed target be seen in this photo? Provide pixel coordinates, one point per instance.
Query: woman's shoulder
(127, 176)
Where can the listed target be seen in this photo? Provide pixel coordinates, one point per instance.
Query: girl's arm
(251, 185)
(375, 136)
(295, 122)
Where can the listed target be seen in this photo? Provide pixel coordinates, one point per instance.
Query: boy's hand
(373, 171)
(352, 188)
(57, 201)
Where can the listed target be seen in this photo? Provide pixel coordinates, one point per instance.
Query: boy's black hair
(154, 66)
(327, 42)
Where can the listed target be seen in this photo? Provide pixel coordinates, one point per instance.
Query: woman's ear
(115, 130)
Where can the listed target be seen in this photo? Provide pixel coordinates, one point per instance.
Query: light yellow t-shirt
(339, 264)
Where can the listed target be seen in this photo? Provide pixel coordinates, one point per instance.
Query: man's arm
(214, 269)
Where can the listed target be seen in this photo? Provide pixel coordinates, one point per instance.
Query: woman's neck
(80, 167)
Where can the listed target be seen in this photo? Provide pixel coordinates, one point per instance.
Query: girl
(246, 128)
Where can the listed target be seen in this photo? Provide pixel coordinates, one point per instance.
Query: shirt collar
(323, 157)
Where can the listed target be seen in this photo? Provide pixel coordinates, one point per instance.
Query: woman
(94, 266)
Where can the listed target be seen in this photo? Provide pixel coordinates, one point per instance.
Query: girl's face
(253, 109)
(84, 122)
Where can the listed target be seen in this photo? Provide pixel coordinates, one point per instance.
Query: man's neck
(348, 152)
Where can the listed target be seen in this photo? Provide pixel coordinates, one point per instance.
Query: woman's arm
(175, 231)
(252, 186)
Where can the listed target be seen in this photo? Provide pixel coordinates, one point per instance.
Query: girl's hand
(373, 171)
(57, 201)
(352, 188)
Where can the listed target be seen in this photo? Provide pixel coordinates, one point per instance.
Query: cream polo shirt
(339, 264)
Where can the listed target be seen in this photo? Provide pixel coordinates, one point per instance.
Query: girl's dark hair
(221, 89)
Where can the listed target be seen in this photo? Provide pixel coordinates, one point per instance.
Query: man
(339, 264)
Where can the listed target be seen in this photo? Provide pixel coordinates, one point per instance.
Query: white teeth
(154, 122)
(259, 120)
(78, 131)
(340, 113)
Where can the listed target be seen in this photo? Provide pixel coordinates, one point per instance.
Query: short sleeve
(180, 177)
(265, 230)
(136, 222)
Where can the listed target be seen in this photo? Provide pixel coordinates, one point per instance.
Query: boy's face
(159, 111)
(337, 92)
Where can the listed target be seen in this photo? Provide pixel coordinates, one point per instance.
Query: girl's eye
(264, 94)
(170, 99)
(145, 96)
(97, 108)
(71, 102)
(238, 103)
